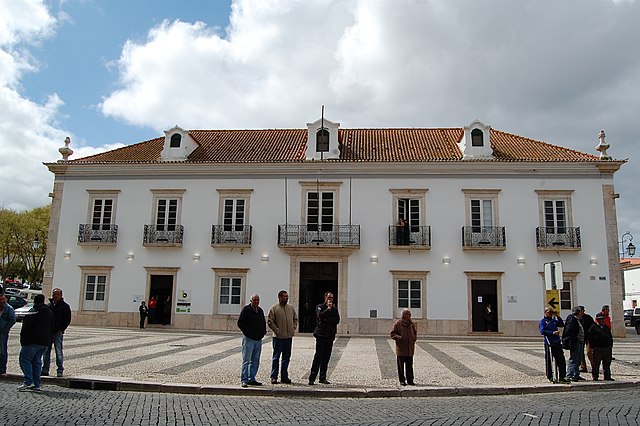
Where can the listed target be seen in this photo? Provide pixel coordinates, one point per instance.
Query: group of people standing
(42, 328)
(580, 331)
(155, 312)
(283, 322)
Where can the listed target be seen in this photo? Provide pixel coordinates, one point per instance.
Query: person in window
(489, 317)
(405, 333)
(327, 320)
(400, 232)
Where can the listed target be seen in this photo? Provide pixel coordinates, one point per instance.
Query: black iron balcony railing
(418, 236)
(231, 235)
(558, 237)
(484, 236)
(162, 234)
(323, 236)
(98, 234)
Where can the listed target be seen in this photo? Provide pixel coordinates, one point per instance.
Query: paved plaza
(157, 359)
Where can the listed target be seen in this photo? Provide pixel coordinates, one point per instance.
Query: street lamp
(36, 242)
(631, 249)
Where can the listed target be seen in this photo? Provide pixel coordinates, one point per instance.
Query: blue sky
(80, 62)
(113, 72)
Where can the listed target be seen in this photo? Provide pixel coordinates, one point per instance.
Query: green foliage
(19, 256)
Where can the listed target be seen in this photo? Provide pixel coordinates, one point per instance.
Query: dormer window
(176, 138)
(477, 138)
(322, 140)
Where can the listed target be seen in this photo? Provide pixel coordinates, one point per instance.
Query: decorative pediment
(476, 142)
(322, 140)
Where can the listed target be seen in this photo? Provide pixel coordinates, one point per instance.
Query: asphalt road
(63, 406)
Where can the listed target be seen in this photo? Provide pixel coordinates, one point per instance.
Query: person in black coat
(587, 321)
(35, 337)
(143, 313)
(253, 326)
(62, 318)
(602, 344)
(327, 322)
(573, 340)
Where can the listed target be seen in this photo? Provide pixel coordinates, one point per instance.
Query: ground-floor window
(95, 289)
(409, 292)
(229, 290)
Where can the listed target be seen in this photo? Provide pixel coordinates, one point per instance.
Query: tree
(23, 240)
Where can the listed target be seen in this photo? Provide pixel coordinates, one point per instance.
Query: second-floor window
(167, 214)
(409, 211)
(233, 214)
(481, 214)
(320, 211)
(102, 213)
(555, 216)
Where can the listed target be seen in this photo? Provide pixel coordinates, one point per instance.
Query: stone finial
(603, 146)
(65, 151)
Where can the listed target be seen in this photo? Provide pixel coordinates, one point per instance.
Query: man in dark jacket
(602, 344)
(35, 337)
(552, 347)
(327, 320)
(62, 315)
(573, 339)
(405, 333)
(253, 326)
(587, 321)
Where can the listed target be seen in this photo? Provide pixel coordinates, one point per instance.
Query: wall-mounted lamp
(265, 258)
(67, 254)
(130, 256)
(373, 259)
(521, 261)
(446, 260)
(593, 261)
(196, 257)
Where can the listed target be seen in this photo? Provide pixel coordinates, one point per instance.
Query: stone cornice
(361, 169)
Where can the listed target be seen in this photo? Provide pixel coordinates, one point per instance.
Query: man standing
(327, 320)
(602, 343)
(35, 337)
(7, 320)
(587, 321)
(552, 348)
(283, 321)
(253, 326)
(62, 317)
(605, 315)
(405, 333)
(573, 339)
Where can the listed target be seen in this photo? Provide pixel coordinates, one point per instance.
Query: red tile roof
(375, 145)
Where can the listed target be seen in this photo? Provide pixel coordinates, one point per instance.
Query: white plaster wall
(632, 287)
(370, 285)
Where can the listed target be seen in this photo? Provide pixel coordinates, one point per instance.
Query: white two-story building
(202, 219)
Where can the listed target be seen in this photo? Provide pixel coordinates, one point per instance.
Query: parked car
(24, 311)
(16, 301)
(12, 290)
(29, 294)
(632, 319)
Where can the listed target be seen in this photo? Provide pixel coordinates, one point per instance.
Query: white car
(24, 311)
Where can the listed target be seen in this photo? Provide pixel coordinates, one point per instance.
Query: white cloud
(555, 71)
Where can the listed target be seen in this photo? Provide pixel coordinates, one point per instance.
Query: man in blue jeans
(35, 337)
(283, 321)
(253, 326)
(573, 339)
(62, 318)
(7, 320)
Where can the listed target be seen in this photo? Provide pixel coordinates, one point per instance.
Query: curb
(105, 383)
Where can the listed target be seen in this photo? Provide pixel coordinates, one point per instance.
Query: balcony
(412, 237)
(163, 236)
(556, 239)
(484, 238)
(335, 236)
(231, 236)
(90, 234)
